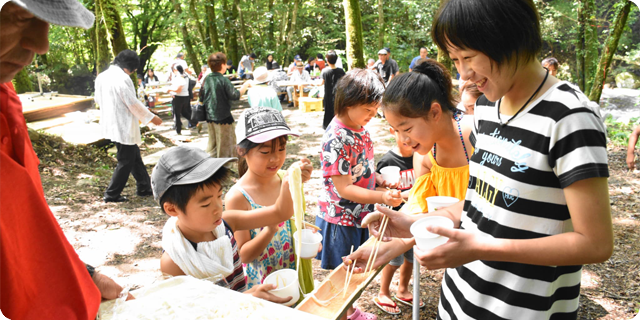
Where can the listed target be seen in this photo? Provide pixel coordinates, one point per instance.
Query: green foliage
(618, 132)
(21, 82)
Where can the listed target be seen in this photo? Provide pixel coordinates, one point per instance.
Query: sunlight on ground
(97, 247)
(589, 280)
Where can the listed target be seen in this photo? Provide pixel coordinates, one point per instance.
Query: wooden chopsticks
(376, 244)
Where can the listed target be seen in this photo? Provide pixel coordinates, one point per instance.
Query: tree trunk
(191, 54)
(231, 43)
(113, 23)
(587, 51)
(203, 34)
(103, 55)
(212, 26)
(355, 44)
(238, 10)
(380, 24)
(610, 47)
(270, 30)
(292, 29)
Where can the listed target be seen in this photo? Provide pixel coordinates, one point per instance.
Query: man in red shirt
(41, 276)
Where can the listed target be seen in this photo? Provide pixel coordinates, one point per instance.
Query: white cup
(435, 203)
(426, 240)
(286, 281)
(390, 174)
(310, 243)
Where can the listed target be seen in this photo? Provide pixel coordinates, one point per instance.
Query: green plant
(618, 132)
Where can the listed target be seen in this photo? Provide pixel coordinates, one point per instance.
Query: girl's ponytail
(411, 94)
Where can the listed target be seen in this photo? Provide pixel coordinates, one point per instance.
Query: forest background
(578, 33)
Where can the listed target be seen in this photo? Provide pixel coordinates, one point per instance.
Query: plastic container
(287, 282)
(426, 240)
(310, 243)
(390, 174)
(435, 203)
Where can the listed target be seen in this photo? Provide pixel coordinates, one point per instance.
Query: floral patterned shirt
(346, 152)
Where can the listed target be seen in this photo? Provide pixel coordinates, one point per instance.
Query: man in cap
(392, 62)
(292, 66)
(42, 276)
(384, 67)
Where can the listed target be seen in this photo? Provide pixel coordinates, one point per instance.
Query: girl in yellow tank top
(420, 107)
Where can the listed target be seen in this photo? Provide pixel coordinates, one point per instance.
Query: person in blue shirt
(423, 55)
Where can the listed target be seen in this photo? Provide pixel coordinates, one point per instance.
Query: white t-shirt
(181, 62)
(180, 81)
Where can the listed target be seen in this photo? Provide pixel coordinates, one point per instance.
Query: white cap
(262, 124)
(60, 12)
(261, 75)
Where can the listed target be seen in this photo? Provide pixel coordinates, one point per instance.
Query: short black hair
(319, 56)
(332, 57)
(412, 93)
(252, 55)
(423, 48)
(180, 69)
(128, 59)
(500, 29)
(311, 58)
(358, 87)
(179, 195)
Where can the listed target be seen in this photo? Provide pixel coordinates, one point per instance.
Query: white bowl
(286, 281)
(310, 243)
(390, 174)
(435, 203)
(426, 240)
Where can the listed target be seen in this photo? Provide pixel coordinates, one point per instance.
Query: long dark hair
(411, 94)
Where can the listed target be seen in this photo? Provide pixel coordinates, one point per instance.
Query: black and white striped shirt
(517, 174)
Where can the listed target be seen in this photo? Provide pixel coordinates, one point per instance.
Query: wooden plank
(331, 289)
(39, 108)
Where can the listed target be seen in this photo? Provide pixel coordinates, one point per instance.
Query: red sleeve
(41, 276)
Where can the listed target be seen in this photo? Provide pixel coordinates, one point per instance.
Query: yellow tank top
(441, 181)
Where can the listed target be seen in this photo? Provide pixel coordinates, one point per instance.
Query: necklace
(525, 104)
(456, 116)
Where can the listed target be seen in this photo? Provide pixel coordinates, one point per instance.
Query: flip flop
(408, 301)
(381, 305)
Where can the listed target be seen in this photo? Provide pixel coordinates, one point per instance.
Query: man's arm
(631, 150)
(128, 97)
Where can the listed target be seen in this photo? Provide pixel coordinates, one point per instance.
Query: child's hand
(392, 198)
(462, 247)
(262, 292)
(305, 169)
(380, 182)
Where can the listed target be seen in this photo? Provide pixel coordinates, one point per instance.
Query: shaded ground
(123, 240)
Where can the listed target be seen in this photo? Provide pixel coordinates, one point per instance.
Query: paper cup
(308, 249)
(426, 240)
(390, 174)
(435, 203)
(287, 282)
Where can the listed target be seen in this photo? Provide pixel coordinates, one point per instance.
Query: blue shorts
(399, 260)
(337, 241)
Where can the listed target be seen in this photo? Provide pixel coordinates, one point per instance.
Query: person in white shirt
(120, 112)
(179, 61)
(299, 75)
(180, 105)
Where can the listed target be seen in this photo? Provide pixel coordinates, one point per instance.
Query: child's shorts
(337, 241)
(399, 260)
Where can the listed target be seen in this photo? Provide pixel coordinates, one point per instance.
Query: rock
(627, 80)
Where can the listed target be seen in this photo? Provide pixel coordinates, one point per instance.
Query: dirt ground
(123, 240)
